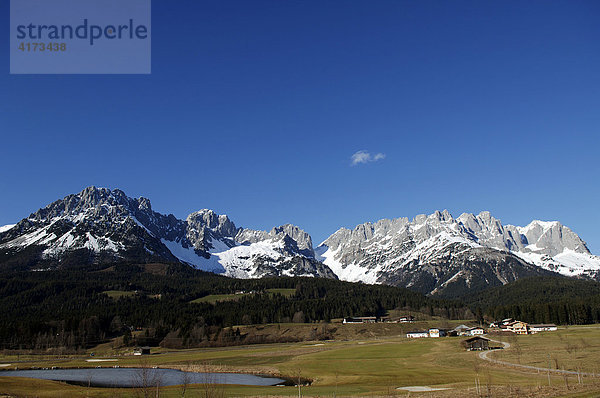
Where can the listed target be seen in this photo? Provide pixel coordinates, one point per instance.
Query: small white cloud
(366, 157)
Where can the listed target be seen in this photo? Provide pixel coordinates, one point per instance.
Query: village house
(417, 335)
(406, 319)
(435, 332)
(360, 319)
(520, 327)
(464, 330)
(517, 327)
(460, 330)
(476, 331)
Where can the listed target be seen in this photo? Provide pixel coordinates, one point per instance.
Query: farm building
(500, 324)
(141, 350)
(360, 319)
(406, 319)
(544, 327)
(476, 343)
(460, 330)
(417, 335)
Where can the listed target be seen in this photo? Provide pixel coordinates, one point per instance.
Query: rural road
(484, 355)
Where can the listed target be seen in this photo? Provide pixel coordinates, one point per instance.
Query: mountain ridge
(375, 252)
(100, 225)
(435, 253)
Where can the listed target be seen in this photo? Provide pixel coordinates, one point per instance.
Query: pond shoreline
(126, 377)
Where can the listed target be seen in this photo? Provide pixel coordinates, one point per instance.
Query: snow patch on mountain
(568, 263)
(55, 247)
(240, 260)
(6, 227)
(188, 255)
(346, 272)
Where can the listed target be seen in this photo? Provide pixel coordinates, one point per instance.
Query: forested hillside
(557, 300)
(79, 308)
(163, 304)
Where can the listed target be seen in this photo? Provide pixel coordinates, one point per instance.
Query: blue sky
(255, 109)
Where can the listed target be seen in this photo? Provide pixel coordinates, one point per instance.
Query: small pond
(137, 377)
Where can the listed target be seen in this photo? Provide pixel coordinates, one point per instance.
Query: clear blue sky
(255, 108)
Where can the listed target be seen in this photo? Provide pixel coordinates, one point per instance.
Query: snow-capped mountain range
(432, 253)
(438, 252)
(98, 225)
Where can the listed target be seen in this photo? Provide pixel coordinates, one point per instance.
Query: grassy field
(283, 292)
(214, 298)
(575, 348)
(116, 294)
(363, 367)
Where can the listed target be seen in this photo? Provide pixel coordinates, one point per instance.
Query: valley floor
(373, 366)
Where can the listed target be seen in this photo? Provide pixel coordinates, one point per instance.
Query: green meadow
(215, 298)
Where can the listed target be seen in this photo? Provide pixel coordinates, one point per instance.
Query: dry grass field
(371, 366)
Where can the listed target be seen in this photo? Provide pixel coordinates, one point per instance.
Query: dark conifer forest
(71, 309)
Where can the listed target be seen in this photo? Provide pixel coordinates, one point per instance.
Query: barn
(476, 343)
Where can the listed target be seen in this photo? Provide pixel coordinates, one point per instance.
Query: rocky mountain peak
(219, 224)
(301, 239)
(144, 204)
(420, 219)
(443, 216)
(551, 238)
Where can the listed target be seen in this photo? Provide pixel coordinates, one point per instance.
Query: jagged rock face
(460, 270)
(99, 225)
(551, 238)
(96, 225)
(436, 253)
(205, 226)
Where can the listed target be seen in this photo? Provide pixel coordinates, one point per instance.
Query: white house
(435, 332)
(476, 331)
(544, 327)
(360, 319)
(416, 335)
